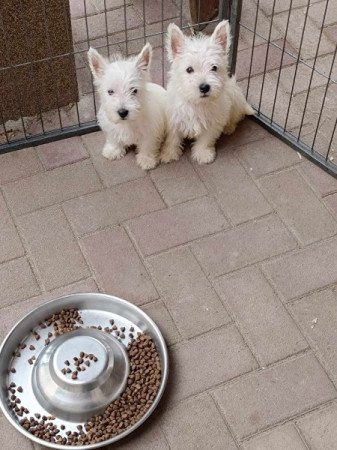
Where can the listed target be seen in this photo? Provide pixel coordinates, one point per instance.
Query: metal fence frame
(230, 9)
(267, 122)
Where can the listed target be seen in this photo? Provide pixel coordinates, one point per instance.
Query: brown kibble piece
(20, 389)
(67, 363)
(13, 370)
(31, 347)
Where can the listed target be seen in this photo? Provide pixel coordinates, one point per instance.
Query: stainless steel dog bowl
(47, 391)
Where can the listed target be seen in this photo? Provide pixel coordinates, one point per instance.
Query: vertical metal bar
(253, 47)
(162, 44)
(144, 23)
(235, 16)
(88, 44)
(296, 66)
(69, 38)
(198, 16)
(106, 29)
(4, 125)
(267, 54)
(224, 9)
(313, 69)
(126, 30)
(181, 13)
(324, 97)
(330, 143)
(50, 64)
(281, 63)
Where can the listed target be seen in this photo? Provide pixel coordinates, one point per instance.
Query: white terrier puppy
(203, 101)
(132, 110)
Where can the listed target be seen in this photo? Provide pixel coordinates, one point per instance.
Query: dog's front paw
(170, 154)
(146, 162)
(204, 155)
(111, 152)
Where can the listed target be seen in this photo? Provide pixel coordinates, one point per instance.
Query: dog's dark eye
(214, 68)
(110, 91)
(134, 91)
(189, 69)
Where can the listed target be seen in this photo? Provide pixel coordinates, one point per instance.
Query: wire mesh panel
(110, 26)
(286, 64)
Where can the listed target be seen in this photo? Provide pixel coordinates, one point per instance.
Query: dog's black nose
(123, 113)
(204, 88)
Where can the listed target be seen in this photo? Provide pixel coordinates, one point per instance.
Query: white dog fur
(132, 109)
(200, 62)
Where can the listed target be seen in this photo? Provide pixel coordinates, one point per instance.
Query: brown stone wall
(33, 30)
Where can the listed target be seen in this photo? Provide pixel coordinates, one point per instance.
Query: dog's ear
(143, 60)
(175, 41)
(97, 63)
(222, 36)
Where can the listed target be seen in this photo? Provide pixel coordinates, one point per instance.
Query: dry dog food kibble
(141, 389)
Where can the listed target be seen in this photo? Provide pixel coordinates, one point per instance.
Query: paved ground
(236, 261)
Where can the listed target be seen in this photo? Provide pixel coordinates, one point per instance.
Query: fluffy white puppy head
(121, 83)
(199, 64)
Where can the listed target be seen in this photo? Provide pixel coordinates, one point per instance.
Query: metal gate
(283, 53)
(285, 60)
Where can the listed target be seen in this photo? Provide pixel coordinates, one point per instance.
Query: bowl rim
(165, 369)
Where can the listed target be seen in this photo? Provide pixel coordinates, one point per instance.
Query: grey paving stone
(177, 225)
(117, 266)
(244, 245)
(53, 247)
(17, 281)
(257, 401)
(187, 293)
(263, 320)
(317, 316)
(305, 214)
(323, 182)
(48, 188)
(304, 270)
(311, 34)
(159, 313)
(112, 206)
(319, 428)
(284, 437)
(196, 424)
(60, 153)
(10, 243)
(235, 191)
(206, 361)
(177, 182)
(267, 155)
(15, 165)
